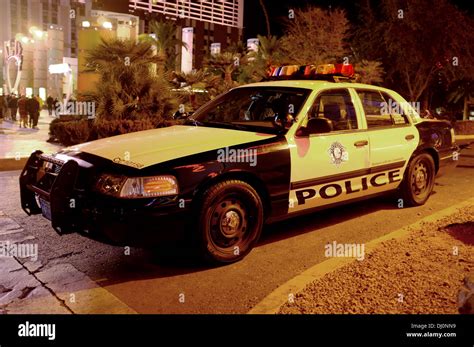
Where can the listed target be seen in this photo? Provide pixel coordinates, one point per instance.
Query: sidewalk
(30, 286)
(16, 144)
(425, 268)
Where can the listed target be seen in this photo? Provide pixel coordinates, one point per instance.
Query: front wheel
(230, 221)
(419, 180)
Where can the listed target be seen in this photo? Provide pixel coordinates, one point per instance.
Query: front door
(327, 168)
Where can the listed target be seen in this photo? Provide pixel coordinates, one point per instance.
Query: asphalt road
(151, 283)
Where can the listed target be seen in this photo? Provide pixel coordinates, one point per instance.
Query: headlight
(138, 187)
(110, 184)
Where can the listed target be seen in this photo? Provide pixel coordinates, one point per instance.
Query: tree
(269, 54)
(267, 18)
(127, 88)
(315, 36)
(228, 66)
(369, 71)
(198, 86)
(419, 41)
(165, 41)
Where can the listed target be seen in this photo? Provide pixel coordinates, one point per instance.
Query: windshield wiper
(191, 121)
(229, 125)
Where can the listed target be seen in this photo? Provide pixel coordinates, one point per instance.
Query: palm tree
(202, 80)
(127, 88)
(267, 18)
(165, 41)
(226, 64)
(461, 90)
(269, 54)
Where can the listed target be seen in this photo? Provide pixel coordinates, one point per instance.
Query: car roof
(314, 85)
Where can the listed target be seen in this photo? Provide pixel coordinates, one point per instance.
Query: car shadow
(324, 218)
(181, 258)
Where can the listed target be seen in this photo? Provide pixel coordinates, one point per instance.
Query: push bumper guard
(47, 187)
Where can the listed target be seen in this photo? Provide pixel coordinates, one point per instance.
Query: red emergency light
(324, 71)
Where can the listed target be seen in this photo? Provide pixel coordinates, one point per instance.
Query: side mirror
(315, 126)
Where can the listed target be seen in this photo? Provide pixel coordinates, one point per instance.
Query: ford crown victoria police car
(257, 154)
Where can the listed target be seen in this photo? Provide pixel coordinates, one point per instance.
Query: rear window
(381, 110)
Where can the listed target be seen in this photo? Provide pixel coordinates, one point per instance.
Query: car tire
(230, 221)
(418, 181)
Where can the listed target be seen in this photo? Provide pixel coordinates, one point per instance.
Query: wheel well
(247, 177)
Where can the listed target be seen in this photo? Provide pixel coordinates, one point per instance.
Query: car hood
(145, 148)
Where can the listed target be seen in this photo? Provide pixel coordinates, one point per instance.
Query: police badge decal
(338, 154)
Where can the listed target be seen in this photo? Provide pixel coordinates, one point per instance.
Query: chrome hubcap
(229, 223)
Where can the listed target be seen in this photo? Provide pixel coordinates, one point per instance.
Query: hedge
(465, 127)
(72, 130)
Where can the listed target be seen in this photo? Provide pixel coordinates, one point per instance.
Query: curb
(271, 303)
(9, 164)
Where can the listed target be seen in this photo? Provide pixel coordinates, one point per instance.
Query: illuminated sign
(13, 54)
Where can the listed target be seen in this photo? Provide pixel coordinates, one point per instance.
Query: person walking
(33, 110)
(56, 107)
(23, 111)
(50, 103)
(6, 110)
(13, 106)
(2, 103)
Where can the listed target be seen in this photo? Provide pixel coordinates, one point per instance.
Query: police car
(307, 139)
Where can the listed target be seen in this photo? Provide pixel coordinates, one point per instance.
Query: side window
(381, 110)
(336, 107)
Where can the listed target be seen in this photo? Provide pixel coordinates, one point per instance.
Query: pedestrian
(5, 108)
(50, 103)
(13, 106)
(23, 111)
(2, 101)
(33, 111)
(56, 107)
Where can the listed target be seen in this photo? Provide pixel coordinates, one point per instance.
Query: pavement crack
(61, 301)
(65, 255)
(25, 292)
(16, 270)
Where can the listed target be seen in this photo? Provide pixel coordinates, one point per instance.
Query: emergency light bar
(324, 72)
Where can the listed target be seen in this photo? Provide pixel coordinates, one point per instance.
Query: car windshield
(262, 109)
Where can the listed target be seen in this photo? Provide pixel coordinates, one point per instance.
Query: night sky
(254, 20)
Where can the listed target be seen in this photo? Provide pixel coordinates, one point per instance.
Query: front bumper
(60, 190)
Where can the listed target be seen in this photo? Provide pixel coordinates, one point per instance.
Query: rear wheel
(419, 180)
(230, 221)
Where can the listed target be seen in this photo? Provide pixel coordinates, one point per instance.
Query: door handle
(409, 137)
(361, 143)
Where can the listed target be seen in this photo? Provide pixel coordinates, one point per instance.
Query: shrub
(53, 126)
(464, 127)
(71, 133)
(106, 128)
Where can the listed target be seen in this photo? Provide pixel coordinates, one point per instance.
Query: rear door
(392, 138)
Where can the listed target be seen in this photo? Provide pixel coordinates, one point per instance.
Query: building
(46, 32)
(94, 26)
(201, 24)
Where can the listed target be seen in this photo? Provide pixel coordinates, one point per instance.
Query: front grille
(49, 168)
